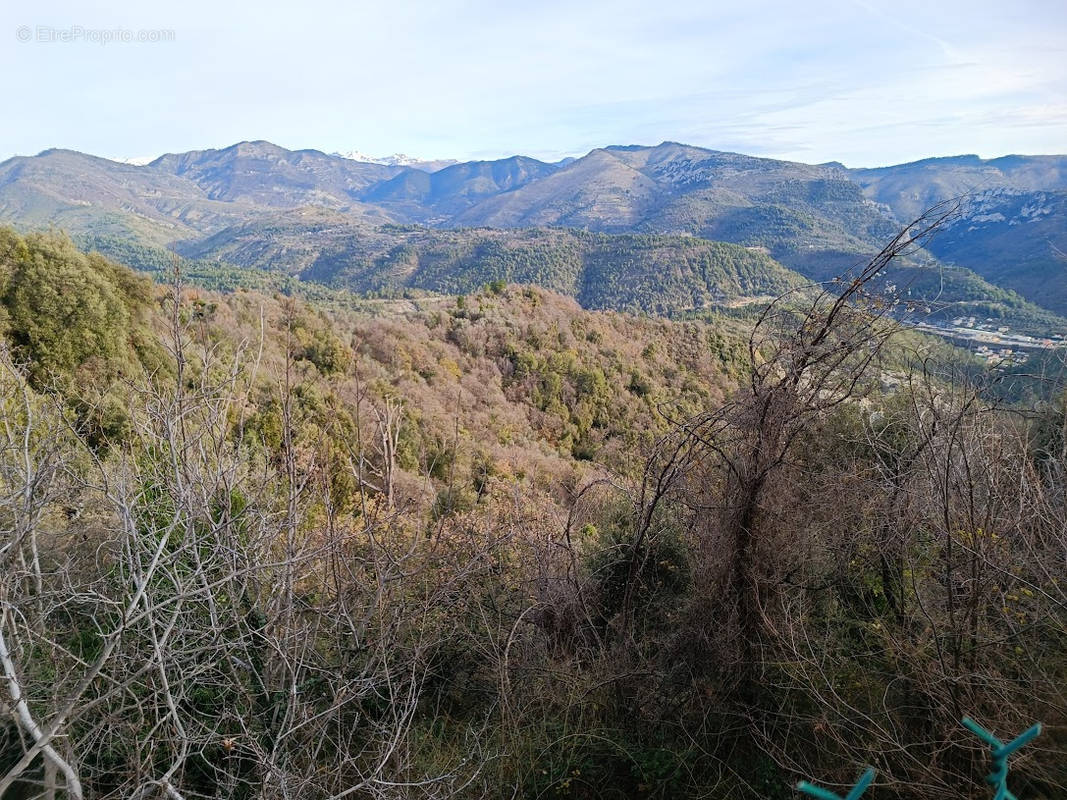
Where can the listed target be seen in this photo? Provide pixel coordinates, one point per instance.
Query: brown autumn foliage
(498, 546)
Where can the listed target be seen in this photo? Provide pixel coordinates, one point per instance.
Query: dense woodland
(623, 272)
(670, 275)
(493, 545)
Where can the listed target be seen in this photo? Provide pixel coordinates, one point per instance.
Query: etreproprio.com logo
(50, 34)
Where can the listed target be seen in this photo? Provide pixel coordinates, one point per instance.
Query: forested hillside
(664, 275)
(659, 274)
(495, 545)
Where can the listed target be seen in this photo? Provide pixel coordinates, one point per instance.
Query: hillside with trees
(656, 274)
(309, 249)
(491, 544)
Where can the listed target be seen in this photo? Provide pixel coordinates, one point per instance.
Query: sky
(863, 82)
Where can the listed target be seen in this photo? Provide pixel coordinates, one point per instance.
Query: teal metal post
(998, 778)
(825, 794)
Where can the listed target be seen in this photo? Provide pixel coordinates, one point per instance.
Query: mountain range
(257, 204)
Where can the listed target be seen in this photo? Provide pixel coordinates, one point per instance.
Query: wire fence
(998, 778)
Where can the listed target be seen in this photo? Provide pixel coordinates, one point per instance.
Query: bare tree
(195, 632)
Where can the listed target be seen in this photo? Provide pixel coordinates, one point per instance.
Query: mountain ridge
(816, 219)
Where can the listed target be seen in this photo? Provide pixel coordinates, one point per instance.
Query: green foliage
(63, 308)
(627, 272)
(639, 384)
(651, 570)
(78, 323)
(451, 500)
(320, 346)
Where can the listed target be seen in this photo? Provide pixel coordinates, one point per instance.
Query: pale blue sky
(860, 81)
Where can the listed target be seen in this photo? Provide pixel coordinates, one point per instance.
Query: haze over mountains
(321, 216)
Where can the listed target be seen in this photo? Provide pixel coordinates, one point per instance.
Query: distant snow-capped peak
(398, 160)
(137, 161)
(395, 160)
